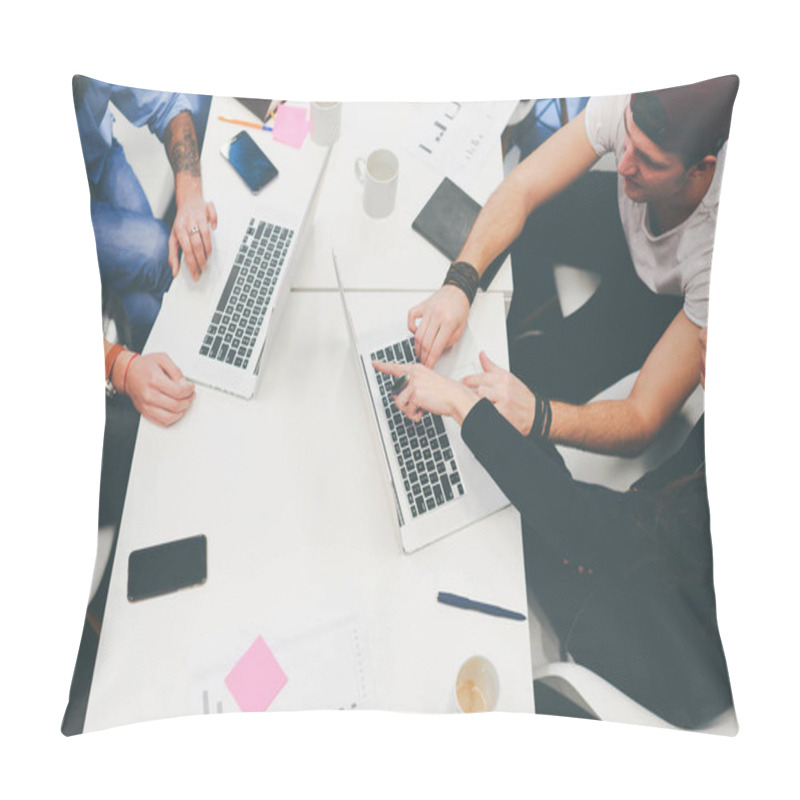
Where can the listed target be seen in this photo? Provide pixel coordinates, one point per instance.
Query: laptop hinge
(397, 505)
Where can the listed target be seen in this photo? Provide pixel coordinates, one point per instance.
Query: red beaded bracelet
(125, 374)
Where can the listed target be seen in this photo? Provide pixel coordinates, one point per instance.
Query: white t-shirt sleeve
(695, 298)
(604, 117)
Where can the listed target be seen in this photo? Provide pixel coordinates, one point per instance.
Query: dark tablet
(258, 107)
(446, 220)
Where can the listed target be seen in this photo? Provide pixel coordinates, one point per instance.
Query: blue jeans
(132, 244)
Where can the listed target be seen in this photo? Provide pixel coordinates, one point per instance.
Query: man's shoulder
(605, 115)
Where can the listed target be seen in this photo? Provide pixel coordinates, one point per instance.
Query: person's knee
(132, 250)
(142, 309)
(528, 360)
(155, 273)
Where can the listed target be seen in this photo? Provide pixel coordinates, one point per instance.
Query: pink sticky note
(291, 125)
(256, 679)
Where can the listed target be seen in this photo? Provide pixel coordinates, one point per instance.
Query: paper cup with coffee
(477, 686)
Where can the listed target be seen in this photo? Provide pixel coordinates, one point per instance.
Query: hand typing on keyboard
(426, 390)
(423, 452)
(438, 323)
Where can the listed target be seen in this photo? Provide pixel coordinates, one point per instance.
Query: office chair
(607, 702)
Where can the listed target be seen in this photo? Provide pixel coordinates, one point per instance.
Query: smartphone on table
(250, 161)
(167, 567)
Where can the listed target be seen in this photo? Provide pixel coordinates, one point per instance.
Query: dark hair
(691, 121)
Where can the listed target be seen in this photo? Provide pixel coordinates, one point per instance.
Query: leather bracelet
(548, 420)
(465, 277)
(111, 357)
(542, 418)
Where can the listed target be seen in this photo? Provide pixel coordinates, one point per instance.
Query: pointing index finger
(390, 369)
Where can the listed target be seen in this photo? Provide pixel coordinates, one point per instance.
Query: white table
(288, 490)
(391, 254)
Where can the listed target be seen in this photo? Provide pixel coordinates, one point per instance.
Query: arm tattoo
(181, 144)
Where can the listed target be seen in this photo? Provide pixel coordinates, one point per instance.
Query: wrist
(463, 276)
(187, 185)
(462, 403)
(541, 419)
(112, 353)
(119, 371)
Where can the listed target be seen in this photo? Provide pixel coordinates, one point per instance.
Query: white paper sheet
(327, 668)
(455, 139)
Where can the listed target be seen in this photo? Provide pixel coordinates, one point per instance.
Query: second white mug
(379, 173)
(326, 118)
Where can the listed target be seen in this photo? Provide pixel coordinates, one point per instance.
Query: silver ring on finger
(194, 230)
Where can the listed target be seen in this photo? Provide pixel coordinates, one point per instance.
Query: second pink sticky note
(256, 678)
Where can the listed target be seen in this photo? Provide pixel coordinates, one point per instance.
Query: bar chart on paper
(454, 138)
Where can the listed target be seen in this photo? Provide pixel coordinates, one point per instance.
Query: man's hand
(438, 323)
(512, 398)
(191, 231)
(156, 386)
(428, 391)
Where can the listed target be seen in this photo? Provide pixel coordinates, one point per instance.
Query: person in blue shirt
(139, 254)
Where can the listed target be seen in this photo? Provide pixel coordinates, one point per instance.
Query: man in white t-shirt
(648, 230)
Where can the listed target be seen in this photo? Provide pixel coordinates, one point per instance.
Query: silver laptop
(438, 486)
(217, 329)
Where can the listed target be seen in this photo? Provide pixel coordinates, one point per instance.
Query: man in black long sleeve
(625, 578)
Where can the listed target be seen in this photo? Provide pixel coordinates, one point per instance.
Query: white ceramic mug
(379, 174)
(325, 121)
(477, 686)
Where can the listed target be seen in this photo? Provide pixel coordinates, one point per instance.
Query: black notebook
(259, 107)
(446, 220)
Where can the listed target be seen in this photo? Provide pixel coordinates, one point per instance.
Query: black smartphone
(167, 567)
(250, 161)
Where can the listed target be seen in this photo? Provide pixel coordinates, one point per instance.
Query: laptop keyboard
(236, 322)
(427, 464)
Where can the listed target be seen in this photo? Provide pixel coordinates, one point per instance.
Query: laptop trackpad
(460, 360)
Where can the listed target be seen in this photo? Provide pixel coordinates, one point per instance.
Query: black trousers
(122, 424)
(624, 578)
(573, 358)
(626, 581)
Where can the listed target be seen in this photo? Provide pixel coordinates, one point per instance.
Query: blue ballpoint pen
(474, 605)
